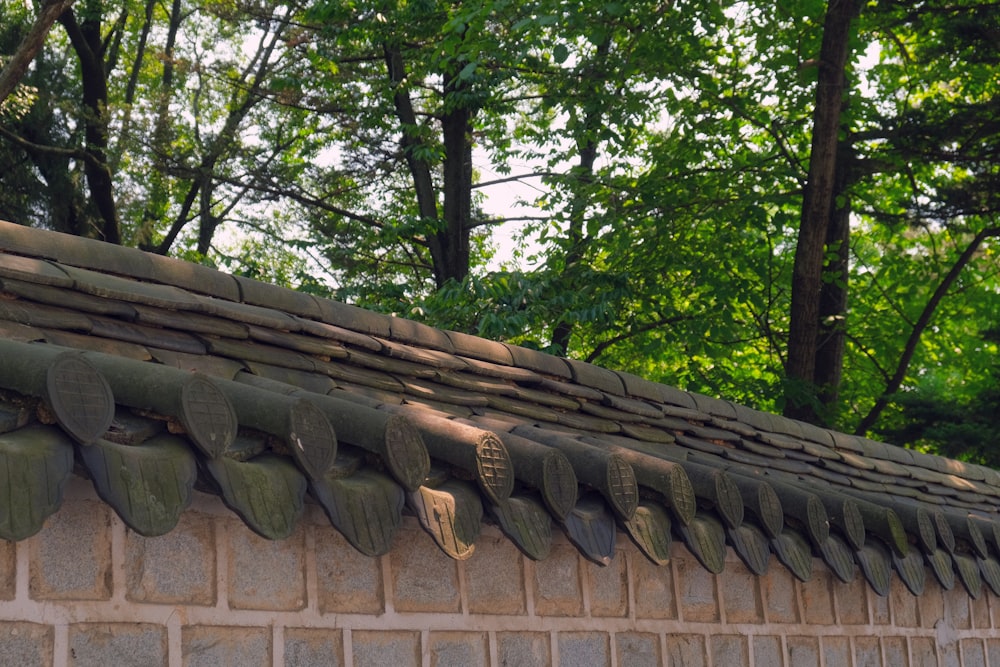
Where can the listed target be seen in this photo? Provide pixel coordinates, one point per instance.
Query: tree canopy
(790, 204)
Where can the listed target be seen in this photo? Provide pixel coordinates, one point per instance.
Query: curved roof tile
(155, 377)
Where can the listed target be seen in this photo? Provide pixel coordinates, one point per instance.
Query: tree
(732, 198)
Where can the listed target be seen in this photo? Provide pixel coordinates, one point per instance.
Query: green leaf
(560, 53)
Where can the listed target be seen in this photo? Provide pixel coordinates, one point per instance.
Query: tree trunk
(420, 169)
(833, 295)
(818, 200)
(456, 127)
(86, 40)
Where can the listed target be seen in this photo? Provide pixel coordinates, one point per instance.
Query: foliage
(343, 148)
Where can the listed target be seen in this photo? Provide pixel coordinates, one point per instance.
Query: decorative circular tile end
(79, 397)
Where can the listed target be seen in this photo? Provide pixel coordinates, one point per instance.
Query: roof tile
(569, 389)
(479, 348)
(75, 251)
(106, 327)
(256, 293)
(246, 313)
(420, 335)
(641, 387)
(19, 332)
(354, 318)
(418, 355)
(57, 296)
(340, 334)
(714, 406)
(114, 287)
(538, 361)
(33, 270)
(677, 397)
(320, 347)
(104, 345)
(603, 429)
(195, 278)
(190, 322)
(522, 375)
(35, 315)
(596, 377)
(215, 366)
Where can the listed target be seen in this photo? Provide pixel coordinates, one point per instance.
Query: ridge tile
(419, 335)
(539, 361)
(467, 345)
(596, 377)
(265, 295)
(354, 318)
(640, 387)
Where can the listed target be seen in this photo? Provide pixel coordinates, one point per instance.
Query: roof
(154, 377)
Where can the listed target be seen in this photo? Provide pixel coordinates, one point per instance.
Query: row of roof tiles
(155, 377)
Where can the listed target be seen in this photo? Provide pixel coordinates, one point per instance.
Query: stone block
(803, 651)
(698, 592)
(973, 653)
(373, 648)
(82, 572)
(817, 598)
(8, 567)
(176, 568)
(558, 591)
(524, 649)
(904, 606)
(923, 651)
(687, 651)
(879, 607)
(957, 612)
(266, 574)
(119, 644)
(638, 649)
(347, 581)
(608, 586)
(730, 651)
(867, 652)
(895, 650)
(210, 646)
(780, 599)
(980, 608)
(948, 654)
(309, 647)
(993, 651)
(852, 601)
(741, 598)
(494, 577)
(837, 651)
(653, 588)
(424, 578)
(931, 606)
(767, 651)
(458, 649)
(584, 649)
(26, 644)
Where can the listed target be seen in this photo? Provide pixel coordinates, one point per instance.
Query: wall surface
(88, 591)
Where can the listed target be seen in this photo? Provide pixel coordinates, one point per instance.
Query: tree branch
(918, 329)
(14, 70)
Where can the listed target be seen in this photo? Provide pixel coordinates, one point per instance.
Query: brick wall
(87, 591)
